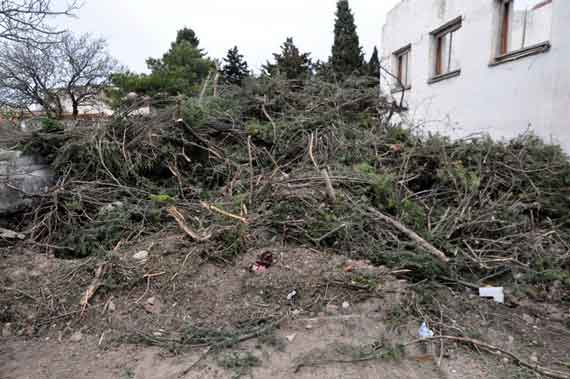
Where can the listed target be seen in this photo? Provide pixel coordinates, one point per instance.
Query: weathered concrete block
(21, 177)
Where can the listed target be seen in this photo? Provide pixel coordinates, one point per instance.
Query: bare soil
(344, 312)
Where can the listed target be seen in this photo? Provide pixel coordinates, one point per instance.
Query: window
(525, 27)
(402, 63)
(446, 62)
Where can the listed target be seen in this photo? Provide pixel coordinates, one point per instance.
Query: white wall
(504, 100)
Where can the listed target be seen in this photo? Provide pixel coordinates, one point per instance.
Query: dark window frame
(438, 36)
(503, 55)
(398, 56)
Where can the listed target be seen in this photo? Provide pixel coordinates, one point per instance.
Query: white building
(500, 67)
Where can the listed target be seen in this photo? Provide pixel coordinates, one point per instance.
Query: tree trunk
(75, 106)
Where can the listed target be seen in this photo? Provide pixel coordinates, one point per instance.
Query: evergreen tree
(346, 51)
(374, 64)
(291, 62)
(235, 67)
(189, 35)
(183, 67)
(181, 70)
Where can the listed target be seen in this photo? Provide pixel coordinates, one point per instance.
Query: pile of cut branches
(320, 165)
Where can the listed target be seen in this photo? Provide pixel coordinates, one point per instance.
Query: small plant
(128, 373)
(239, 361)
(162, 199)
(50, 125)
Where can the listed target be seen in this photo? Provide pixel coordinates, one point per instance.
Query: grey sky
(137, 29)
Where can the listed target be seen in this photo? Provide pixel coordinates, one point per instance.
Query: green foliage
(382, 187)
(187, 35)
(233, 243)
(373, 67)
(347, 57)
(235, 69)
(106, 230)
(549, 277)
(290, 63)
(162, 199)
(262, 131)
(421, 266)
(181, 70)
(194, 114)
(46, 142)
(239, 360)
(324, 71)
(98, 237)
(50, 125)
(127, 82)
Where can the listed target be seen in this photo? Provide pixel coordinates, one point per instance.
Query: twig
(225, 213)
(311, 155)
(204, 88)
(95, 284)
(536, 368)
(172, 211)
(413, 235)
(251, 172)
(330, 189)
(324, 172)
(20, 292)
(272, 123)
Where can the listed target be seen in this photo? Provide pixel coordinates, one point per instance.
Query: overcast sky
(138, 29)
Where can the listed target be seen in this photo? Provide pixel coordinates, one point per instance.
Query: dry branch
(535, 367)
(412, 235)
(222, 212)
(94, 286)
(172, 211)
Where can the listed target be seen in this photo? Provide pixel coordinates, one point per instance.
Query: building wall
(532, 93)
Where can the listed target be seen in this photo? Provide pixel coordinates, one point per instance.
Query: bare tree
(72, 71)
(24, 20)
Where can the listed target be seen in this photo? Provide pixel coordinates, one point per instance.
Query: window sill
(401, 89)
(445, 76)
(522, 53)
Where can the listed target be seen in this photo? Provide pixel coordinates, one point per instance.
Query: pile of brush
(317, 165)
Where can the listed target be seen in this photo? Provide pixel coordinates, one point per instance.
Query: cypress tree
(235, 67)
(346, 51)
(374, 64)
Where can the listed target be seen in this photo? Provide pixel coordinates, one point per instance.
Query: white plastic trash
(496, 293)
(425, 332)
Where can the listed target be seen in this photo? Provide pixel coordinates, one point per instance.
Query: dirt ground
(181, 314)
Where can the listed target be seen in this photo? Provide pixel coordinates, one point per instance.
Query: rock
(153, 305)
(76, 337)
(141, 256)
(22, 175)
(7, 330)
(291, 337)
